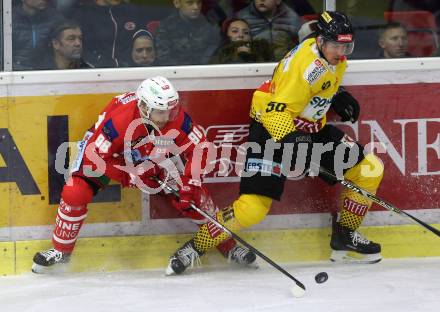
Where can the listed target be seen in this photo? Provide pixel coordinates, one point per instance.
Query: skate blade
(343, 256)
(53, 269)
(254, 265)
(169, 271)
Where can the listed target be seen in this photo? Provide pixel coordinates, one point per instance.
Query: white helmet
(156, 93)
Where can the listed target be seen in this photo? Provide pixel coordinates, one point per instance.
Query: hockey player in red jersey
(137, 136)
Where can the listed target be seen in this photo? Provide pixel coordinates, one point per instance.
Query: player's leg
(229, 248)
(367, 174)
(366, 171)
(247, 210)
(257, 192)
(71, 213)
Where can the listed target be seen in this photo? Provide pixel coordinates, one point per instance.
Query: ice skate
(184, 257)
(46, 261)
(242, 256)
(350, 246)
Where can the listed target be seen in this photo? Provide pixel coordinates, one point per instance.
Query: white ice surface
(391, 286)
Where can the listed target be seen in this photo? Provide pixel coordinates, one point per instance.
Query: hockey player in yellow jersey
(289, 123)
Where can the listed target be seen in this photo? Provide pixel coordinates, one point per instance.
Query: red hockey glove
(143, 175)
(204, 202)
(190, 193)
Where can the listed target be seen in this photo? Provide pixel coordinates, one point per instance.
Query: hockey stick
(376, 199)
(298, 290)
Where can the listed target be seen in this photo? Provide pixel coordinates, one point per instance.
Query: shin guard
(226, 246)
(353, 206)
(72, 211)
(247, 210)
(67, 226)
(209, 235)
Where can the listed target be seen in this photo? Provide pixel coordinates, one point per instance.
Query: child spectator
(238, 46)
(143, 52)
(186, 37)
(31, 21)
(273, 21)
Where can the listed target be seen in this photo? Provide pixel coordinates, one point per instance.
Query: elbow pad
(278, 124)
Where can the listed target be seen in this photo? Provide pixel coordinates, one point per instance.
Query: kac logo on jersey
(266, 167)
(314, 71)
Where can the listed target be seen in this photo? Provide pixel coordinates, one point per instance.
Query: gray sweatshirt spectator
(186, 37)
(273, 21)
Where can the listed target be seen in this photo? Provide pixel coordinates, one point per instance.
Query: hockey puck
(321, 277)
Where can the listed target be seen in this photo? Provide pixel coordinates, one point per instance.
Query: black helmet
(335, 26)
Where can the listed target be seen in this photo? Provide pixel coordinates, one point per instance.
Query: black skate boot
(350, 246)
(45, 260)
(243, 256)
(184, 257)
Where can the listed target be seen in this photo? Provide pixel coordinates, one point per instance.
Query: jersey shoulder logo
(109, 130)
(314, 71)
(127, 97)
(187, 124)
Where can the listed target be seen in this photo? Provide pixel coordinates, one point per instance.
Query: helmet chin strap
(146, 119)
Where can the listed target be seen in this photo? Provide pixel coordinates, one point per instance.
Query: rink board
(40, 111)
(152, 251)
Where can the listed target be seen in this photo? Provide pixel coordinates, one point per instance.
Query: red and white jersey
(119, 134)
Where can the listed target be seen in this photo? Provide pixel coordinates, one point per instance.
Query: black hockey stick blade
(377, 200)
(300, 288)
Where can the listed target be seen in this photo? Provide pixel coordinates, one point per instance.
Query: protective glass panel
(1, 37)
(393, 29)
(71, 34)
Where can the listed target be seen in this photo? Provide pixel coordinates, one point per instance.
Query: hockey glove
(190, 193)
(144, 173)
(346, 106)
(204, 202)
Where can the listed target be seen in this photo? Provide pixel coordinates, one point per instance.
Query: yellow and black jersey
(299, 94)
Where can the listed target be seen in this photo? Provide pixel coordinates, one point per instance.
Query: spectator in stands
(185, 37)
(108, 27)
(238, 46)
(393, 41)
(274, 21)
(31, 21)
(65, 47)
(143, 52)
